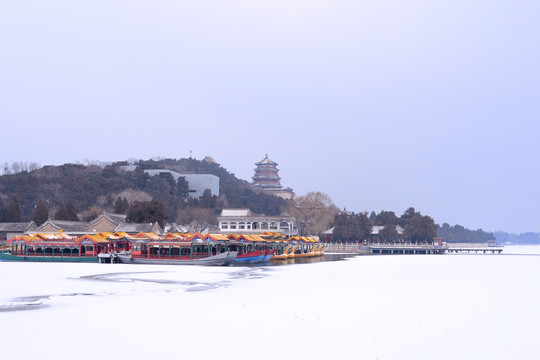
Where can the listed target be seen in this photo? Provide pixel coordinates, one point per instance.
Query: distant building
(209, 159)
(267, 179)
(133, 228)
(243, 221)
(197, 182)
(10, 230)
(76, 228)
(106, 222)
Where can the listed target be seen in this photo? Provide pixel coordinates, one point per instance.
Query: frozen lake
(458, 306)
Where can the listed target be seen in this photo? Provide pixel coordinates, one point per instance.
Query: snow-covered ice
(454, 306)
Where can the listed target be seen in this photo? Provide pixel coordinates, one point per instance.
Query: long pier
(470, 249)
(407, 249)
(412, 249)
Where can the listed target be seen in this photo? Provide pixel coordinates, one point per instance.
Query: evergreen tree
(389, 233)
(182, 188)
(207, 200)
(119, 206)
(420, 229)
(41, 214)
(68, 212)
(407, 216)
(386, 218)
(147, 212)
(351, 227)
(2, 210)
(71, 212)
(14, 210)
(125, 205)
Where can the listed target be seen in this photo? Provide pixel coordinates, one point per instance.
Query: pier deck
(470, 249)
(412, 248)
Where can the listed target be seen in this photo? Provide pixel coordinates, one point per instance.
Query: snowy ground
(370, 307)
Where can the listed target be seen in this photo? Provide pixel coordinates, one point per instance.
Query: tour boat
(252, 249)
(48, 257)
(222, 259)
(286, 253)
(58, 247)
(259, 256)
(196, 249)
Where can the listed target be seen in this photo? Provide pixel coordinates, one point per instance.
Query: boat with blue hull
(255, 257)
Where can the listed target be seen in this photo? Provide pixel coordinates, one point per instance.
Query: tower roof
(266, 161)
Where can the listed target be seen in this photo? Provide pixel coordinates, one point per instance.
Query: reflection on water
(303, 260)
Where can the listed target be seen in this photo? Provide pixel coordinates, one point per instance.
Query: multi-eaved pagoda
(267, 179)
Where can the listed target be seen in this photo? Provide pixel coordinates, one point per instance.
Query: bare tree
(6, 169)
(313, 212)
(16, 167)
(198, 218)
(33, 166)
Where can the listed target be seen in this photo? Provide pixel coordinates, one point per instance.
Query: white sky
(380, 104)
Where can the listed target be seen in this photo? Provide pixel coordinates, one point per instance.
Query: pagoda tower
(266, 178)
(266, 174)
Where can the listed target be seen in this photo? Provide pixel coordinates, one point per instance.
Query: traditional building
(75, 228)
(243, 221)
(209, 159)
(267, 179)
(10, 230)
(134, 228)
(106, 222)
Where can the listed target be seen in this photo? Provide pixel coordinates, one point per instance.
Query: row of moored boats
(172, 248)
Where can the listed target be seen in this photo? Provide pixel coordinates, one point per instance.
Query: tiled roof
(66, 226)
(136, 228)
(15, 227)
(115, 218)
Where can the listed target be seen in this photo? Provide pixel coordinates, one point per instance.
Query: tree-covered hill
(523, 238)
(95, 187)
(460, 234)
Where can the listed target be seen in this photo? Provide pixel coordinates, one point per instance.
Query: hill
(93, 186)
(524, 238)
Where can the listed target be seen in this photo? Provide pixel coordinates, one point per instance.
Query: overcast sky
(380, 104)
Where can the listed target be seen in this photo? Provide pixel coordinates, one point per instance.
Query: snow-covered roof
(235, 212)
